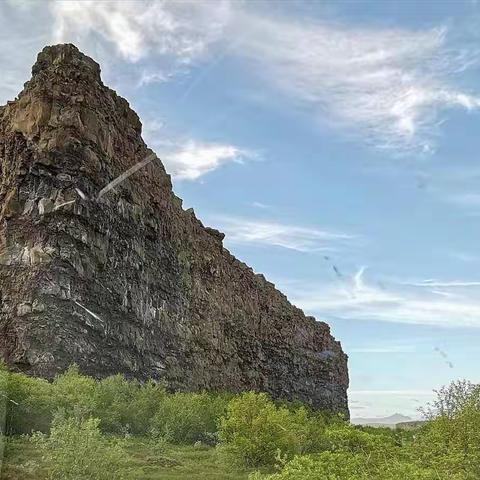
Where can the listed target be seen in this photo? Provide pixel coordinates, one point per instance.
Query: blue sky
(335, 143)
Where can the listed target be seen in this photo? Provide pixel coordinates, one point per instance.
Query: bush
(25, 403)
(189, 417)
(451, 444)
(255, 432)
(346, 437)
(112, 403)
(74, 393)
(126, 406)
(348, 466)
(76, 450)
(452, 399)
(145, 404)
(325, 466)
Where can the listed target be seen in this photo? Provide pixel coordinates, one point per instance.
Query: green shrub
(346, 437)
(325, 466)
(189, 417)
(25, 403)
(255, 432)
(451, 399)
(145, 404)
(127, 406)
(349, 466)
(451, 444)
(113, 396)
(74, 393)
(76, 450)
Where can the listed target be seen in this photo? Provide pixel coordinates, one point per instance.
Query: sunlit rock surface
(130, 282)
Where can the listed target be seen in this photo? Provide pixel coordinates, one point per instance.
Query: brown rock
(131, 283)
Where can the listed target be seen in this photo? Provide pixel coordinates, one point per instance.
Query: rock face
(130, 282)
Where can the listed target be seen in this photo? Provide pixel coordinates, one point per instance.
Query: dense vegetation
(77, 428)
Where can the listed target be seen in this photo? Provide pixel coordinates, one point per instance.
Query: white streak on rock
(94, 315)
(82, 195)
(126, 174)
(64, 204)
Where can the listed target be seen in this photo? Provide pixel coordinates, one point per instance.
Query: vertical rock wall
(130, 282)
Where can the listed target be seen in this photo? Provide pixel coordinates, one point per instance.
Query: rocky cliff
(126, 281)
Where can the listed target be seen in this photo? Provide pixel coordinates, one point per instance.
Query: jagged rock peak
(66, 91)
(61, 56)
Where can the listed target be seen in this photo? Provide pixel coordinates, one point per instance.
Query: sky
(335, 143)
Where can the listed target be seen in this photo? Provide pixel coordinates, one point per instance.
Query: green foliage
(250, 429)
(451, 441)
(186, 418)
(25, 403)
(125, 406)
(325, 466)
(74, 393)
(451, 399)
(28, 404)
(347, 438)
(76, 450)
(24, 460)
(447, 447)
(256, 432)
(347, 466)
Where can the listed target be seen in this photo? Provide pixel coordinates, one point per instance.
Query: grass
(23, 462)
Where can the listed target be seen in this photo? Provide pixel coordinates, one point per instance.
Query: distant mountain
(382, 421)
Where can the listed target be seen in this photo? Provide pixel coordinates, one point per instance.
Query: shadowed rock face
(130, 282)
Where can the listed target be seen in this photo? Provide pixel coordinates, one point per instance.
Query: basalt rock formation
(127, 281)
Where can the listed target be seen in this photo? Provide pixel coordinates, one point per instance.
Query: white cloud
(268, 233)
(464, 257)
(147, 78)
(19, 45)
(192, 159)
(418, 393)
(261, 205)
(471, 200)
(384, 84)
(438, 284)
(355, 299)
(137, 29)
(389, 349)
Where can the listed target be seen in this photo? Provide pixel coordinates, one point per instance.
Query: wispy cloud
(357, 299)
(193, 159)
(147, 78)
(25, 42)
(453, 181)
(271, 233)
(137, 29)
(464, 257)
(385, 84)
(392, 392)
(438, 284)
(261, 205)
(388, 86)
(470, 200)
(387, 349)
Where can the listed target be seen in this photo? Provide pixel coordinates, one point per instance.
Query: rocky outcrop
(128, 282)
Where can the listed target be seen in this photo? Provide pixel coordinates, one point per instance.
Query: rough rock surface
(131, 282)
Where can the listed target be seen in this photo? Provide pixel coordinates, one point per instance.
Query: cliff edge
(124, 280)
